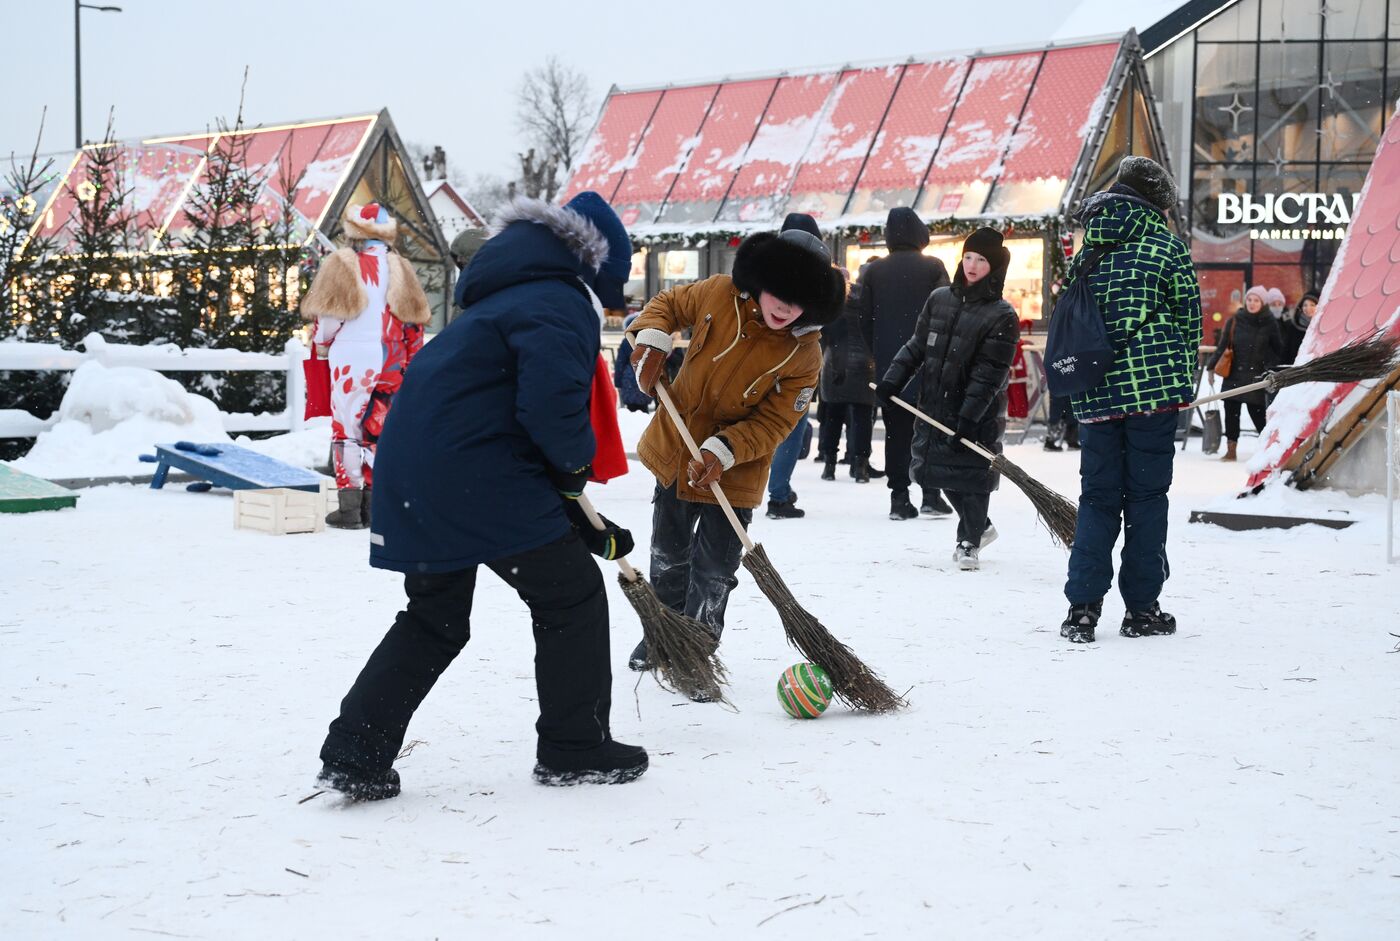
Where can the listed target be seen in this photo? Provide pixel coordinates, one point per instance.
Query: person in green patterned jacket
(1145, 285)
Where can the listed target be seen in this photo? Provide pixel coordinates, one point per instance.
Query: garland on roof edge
(1051, 227)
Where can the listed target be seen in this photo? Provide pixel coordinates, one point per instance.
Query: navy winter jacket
(461, 472)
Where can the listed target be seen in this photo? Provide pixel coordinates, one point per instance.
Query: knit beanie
(1275, 298)
(1260, 292)
(617, 266)
(596, 210)
(1150, 180)
(801, 221)
(988, 243)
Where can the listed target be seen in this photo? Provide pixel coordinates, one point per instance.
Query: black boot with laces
(1078, 626)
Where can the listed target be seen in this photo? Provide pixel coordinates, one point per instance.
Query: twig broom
(1057, 513)
(855, 683)
(680, 650)
(1370, 357)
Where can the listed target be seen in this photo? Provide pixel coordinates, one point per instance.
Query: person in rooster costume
(369, 310)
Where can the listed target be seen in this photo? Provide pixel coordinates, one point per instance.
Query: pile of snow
(309, 447)
(112, 415)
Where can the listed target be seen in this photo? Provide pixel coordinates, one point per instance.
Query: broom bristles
(855, 684)
(1371, 357)
(680, 650)
(1059, 515)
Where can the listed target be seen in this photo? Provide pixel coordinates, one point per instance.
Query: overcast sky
(446, 71)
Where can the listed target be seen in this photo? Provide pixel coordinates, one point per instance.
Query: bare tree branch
(554, 108)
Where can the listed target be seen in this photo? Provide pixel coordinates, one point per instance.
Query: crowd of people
(1261, 336)
(492, 437)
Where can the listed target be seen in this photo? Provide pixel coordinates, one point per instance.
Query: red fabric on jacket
(610, 459)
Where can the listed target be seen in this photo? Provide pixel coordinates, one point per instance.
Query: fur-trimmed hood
(532, 240)
(579, 234)
(791, 273)
(336, 291)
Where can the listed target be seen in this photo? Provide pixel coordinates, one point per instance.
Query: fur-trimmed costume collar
(582, 237)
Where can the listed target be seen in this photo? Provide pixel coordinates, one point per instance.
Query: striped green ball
(804, 689)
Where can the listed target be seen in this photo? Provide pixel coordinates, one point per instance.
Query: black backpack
(1078, 353)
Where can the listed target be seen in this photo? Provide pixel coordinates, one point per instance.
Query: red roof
(946, 134)
(161, 173)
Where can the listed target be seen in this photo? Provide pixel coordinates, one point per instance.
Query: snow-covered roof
(969, 135)
(310, 160)
(442, 195)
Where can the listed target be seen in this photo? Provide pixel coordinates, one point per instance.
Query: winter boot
(860, 470)
(824, 458)
(875, 472)
(966, 556)
(1053, 434)
(609, 763)
(900, 507)
(829, 471)
(359, 785)
(364, 508)
(1150, 623)
(1230, 451)
(638, 662)
(350, 514)
(989, 536)
(1072, 436)
(787, 510)
(1078, 626)
(934, 506)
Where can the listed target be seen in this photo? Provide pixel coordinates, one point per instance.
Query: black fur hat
(791, 272)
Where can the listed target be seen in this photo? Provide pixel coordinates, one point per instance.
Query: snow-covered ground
(167, 682)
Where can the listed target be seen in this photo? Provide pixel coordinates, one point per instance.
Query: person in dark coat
(633, 398)
(848, 368)
(1294, 326)
(1254, 336)
(893, 291)
(961, 349)
(481, 463)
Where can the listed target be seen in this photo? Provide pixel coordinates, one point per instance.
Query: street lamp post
(78, 9)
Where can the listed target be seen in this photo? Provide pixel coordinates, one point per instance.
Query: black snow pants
(561, 585)
(695, 554)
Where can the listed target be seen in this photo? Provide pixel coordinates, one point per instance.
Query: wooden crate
(279, 511)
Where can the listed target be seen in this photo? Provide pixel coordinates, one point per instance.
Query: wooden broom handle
(587, 506)
(664, 398)
(1238, 390)
(974, 446)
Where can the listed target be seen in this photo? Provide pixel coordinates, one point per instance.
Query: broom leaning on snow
(1059, 515)
(1370, 357)
(855, 683)
(680, 649)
